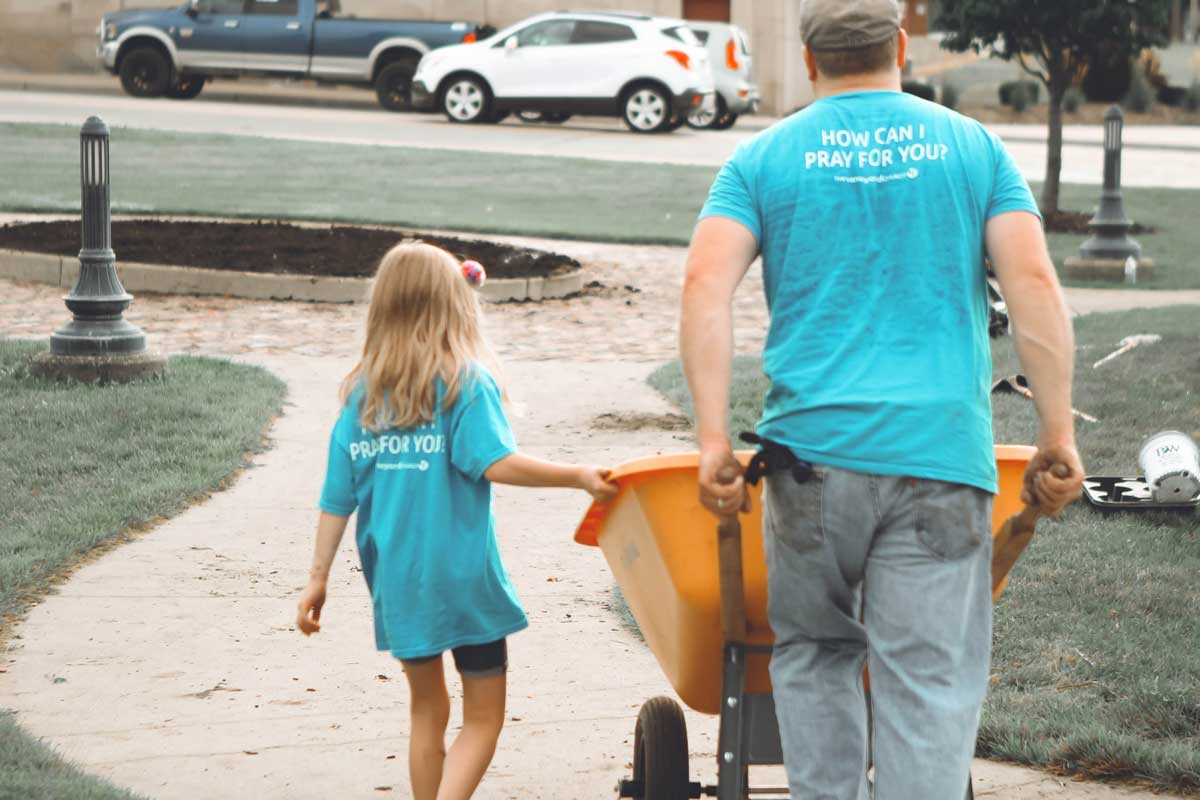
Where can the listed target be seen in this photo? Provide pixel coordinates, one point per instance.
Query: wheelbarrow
(701, 604)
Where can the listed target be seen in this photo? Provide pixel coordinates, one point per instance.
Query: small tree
(1053, 40)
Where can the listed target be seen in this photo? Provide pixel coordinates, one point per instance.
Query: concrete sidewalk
(170, 665)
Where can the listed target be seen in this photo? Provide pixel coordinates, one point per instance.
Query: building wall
(60, 35)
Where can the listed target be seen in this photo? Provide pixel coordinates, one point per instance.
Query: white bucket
(1171, 463)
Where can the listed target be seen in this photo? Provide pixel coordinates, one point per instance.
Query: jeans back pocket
(953, 519)
(792, 512)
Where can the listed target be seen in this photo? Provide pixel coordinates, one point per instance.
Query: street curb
(19, 265)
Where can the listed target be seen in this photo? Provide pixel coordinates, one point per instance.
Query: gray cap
(848, 24)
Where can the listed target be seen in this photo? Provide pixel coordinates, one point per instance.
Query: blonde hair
(423, 324)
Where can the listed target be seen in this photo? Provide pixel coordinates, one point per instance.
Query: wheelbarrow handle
(729, 561)
(1011, 542)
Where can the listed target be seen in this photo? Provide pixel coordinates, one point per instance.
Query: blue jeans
(893, 572)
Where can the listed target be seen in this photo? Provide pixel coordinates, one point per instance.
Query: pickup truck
(172, 52)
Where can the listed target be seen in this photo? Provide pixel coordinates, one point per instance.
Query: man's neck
(875, 82)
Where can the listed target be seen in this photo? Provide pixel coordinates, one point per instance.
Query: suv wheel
(393, 85)
(145, 72)
(467, 100)
(647, 109)
(702, 117)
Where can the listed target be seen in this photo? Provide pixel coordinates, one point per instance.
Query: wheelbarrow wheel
(660, 751)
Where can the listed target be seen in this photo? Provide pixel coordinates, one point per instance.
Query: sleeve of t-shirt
(732, 196)
(481, 435)
(1010, 190)
(337, 496)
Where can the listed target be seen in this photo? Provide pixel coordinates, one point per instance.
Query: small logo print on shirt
(420, 466)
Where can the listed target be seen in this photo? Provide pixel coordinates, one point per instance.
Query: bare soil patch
(274, 247)
(1076, 222)
(639, 421)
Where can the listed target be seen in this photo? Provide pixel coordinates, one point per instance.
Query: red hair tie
(474, 272)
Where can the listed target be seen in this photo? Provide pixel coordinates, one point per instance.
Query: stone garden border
(19, 265)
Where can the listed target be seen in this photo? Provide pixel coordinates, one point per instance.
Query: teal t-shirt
(426, 534)
(870, 210)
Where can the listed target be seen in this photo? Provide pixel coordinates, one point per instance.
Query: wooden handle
(729, 566)
(733, 598)
(1011, 542)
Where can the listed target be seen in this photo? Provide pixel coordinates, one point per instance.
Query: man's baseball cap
(848, 24)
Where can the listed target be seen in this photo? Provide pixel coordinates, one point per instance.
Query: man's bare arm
(1045, 345)
(722, 251)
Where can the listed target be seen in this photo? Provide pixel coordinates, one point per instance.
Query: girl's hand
(594, 481)
(308, 614)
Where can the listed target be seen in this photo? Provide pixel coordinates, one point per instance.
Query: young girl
(421, 438)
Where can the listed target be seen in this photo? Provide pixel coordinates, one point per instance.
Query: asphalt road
(1157, 156)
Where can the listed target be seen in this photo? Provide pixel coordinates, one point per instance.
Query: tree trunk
(1176, 34)
(1057, 88)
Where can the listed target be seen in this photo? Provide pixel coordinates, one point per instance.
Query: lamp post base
(1106, 269)
(99, 369)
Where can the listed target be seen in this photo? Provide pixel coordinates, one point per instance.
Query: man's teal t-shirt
(870, 210)
(426, 535)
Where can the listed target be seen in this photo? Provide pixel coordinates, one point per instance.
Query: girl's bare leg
(472, 751)
(430, 716)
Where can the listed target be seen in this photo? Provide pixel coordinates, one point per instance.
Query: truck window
(589, 32)
(220, 7)
(278, 8)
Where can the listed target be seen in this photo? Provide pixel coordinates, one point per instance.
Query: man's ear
(902, 49)
(811, 64)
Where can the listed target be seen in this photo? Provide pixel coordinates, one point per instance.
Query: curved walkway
(170, 666)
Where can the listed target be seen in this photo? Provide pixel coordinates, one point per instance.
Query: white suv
(652, 71)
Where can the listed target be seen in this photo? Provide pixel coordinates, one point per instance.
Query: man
(872, 211)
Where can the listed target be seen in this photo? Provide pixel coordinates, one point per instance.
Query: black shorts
(474, 660)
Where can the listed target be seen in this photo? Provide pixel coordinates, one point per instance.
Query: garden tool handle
(1015, 535)
(729, 565)
(729, 557)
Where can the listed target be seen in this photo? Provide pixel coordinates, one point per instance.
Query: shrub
(1072, 100)
(1020, 98)
(1032, 91)
(1140, 98)
(1173, 96)
(1108, 78)
(1150, 66)
(1191, 100)
(951, 96)
(921, 89)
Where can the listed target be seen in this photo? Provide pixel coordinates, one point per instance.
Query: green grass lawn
(240, 176)
(1096, 639)
(82, 465)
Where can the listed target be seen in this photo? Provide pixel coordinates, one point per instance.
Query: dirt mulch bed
(276, 247)
(1076, 222)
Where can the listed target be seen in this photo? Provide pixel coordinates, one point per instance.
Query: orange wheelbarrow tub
(662, 548)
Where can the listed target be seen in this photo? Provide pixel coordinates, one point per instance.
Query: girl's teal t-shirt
(426, 534)
(870, 211)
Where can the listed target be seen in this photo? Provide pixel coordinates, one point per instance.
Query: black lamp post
(98, 344)
(1110, 227)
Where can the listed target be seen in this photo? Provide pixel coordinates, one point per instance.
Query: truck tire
(393, 85)
(187, 87)
(646, 109)
(467, 99)
(146, 72)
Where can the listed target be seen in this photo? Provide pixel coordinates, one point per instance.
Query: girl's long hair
(423, 324)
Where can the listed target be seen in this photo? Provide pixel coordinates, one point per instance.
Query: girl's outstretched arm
(329, 535)
(519, 469)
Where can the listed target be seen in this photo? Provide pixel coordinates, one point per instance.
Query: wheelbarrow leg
(731, 742)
